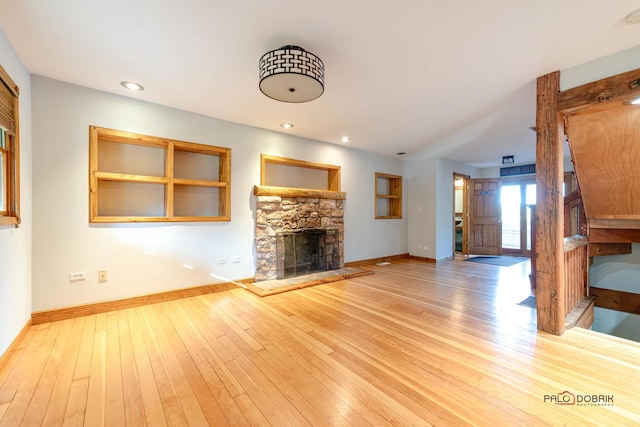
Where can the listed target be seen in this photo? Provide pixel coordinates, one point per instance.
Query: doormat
(529, 302)
(502, 261)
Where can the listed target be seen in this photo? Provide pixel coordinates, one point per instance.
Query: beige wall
(155, 257)
(15, 243)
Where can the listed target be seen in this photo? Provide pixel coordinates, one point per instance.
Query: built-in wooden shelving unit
(388, 196)
(141, 178)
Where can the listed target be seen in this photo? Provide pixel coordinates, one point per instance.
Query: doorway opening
(460, 214)
(516, 199)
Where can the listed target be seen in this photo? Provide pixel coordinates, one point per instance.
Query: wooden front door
(485, 225)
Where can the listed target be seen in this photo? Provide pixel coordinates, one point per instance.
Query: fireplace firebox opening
(301, 252)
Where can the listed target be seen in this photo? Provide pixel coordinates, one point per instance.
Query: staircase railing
(575, 221)
(576, 261)
(576, 271)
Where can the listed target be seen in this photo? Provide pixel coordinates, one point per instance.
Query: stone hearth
(278, 215)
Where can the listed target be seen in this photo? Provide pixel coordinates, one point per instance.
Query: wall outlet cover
(78, 276)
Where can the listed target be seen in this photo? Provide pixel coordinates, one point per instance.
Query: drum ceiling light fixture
(291, 74)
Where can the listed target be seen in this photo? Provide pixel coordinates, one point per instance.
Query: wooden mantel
(266, 190)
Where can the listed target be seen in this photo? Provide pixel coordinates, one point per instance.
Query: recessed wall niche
(141, 178)
(388, 196)
(291, 173)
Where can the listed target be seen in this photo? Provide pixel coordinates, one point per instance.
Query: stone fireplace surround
(280, 210)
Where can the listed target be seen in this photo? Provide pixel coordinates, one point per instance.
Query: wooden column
(550, 213)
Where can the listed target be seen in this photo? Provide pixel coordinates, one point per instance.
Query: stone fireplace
(297, 232)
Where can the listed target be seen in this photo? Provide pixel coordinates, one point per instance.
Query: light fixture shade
(291, 74)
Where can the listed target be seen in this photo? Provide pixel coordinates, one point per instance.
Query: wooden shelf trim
(387, 196)
(294, 162)
(121, 177)
(192, 147)
(200, 183)
(265, 190)
(107, 219)
(112, 135)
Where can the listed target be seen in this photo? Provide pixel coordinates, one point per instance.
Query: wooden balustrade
(596, 136)
(576, 271)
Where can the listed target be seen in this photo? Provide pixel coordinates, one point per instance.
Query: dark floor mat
(528, 302)
(502, 261)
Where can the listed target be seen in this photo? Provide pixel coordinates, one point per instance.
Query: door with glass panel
(516, 199)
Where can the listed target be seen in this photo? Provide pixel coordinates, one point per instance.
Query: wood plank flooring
(413, 344)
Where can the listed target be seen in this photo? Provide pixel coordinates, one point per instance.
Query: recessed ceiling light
(137, 87)
(286, 125)
(633, 17)
(345, 139)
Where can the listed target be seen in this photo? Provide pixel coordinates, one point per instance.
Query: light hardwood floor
(413, 344)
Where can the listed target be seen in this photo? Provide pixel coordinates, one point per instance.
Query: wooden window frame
(393, 197)
(168, 180)
(11, 216)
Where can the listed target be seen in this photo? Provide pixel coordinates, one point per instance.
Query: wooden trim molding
(619, 222)
(428, 260)
(605, 249)
(45, 316)
(582, 315)
(574, 242)
(627, 302)
(601, 94)
(14, 346)
(371, 261)
(614, 235)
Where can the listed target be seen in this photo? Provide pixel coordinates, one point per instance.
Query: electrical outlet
(78, 276)
(426, 248)
(419, 246)
(236, 259)
(102, 276)
(222, 260)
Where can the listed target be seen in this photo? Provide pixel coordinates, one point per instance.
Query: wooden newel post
(549, 213)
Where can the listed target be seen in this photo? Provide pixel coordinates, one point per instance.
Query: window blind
(8, 101)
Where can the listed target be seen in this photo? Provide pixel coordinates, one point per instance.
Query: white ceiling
(451, 78)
